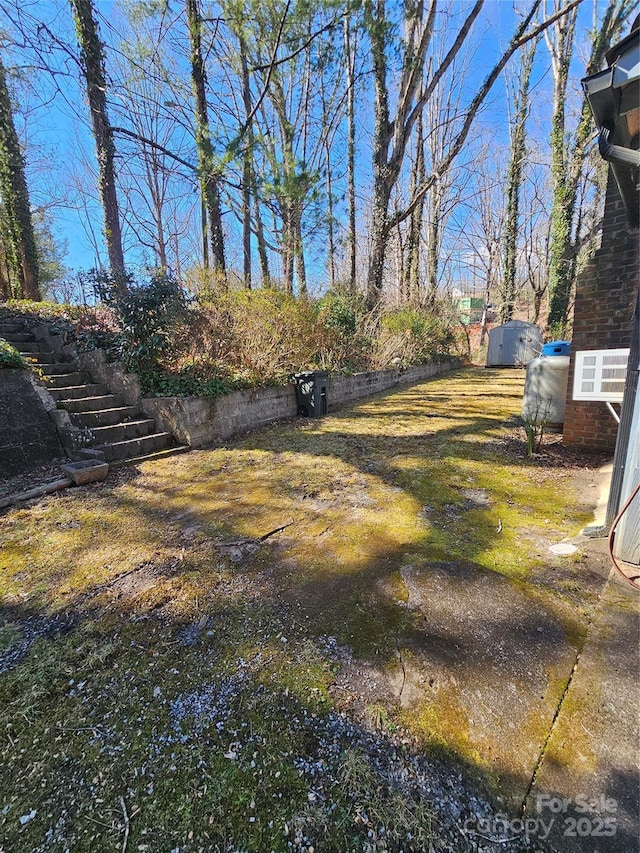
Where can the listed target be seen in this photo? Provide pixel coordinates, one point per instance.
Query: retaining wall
(28, 436)
(112, 374)
(197, 421)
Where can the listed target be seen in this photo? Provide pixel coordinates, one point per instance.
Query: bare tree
(391, 134)
(151, 106)
(350, 49)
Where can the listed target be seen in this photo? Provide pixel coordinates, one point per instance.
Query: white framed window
(600, 375)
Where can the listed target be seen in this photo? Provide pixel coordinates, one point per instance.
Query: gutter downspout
(624, 161)
(616, 153)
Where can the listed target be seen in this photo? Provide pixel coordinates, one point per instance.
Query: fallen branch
(127, 824)
(36, 492)
(275, 530)
(262, 538)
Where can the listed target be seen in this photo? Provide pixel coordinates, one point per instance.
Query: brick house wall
(605, 299)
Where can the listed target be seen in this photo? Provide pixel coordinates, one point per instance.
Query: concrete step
(65, 380)
(8, 326)
(123, 431)
(106, 417)
(18, 337)
(77, 392)
(89, 404)
(27, 347)
(134, 446)
(53, 368)
(159, 454)
(44, 358)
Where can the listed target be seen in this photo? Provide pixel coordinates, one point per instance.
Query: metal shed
(513, 344)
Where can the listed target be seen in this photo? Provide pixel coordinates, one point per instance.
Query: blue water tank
(556, 348)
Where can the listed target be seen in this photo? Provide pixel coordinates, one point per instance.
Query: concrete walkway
(588, 778)
(586, 787)
(506, 677)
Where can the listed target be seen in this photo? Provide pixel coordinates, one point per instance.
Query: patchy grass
(173, 680)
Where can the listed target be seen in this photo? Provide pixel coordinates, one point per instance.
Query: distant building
(469, 308)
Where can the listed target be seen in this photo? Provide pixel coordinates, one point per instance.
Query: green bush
(149, 316)
(10, 358)
(224, 340)
(347, 332)
(197, 377)
(261, 335)
(342, 312)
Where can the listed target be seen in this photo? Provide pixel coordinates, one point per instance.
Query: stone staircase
(110, 430)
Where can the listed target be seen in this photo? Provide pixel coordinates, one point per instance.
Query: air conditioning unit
(600, 375)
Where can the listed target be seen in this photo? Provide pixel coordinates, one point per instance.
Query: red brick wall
(605, 298)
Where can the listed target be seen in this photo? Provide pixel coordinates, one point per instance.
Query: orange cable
(633, 581)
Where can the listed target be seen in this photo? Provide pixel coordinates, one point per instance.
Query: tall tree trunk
(330, 222)
(298, 249)
(538, 296)
(514, 184)
(206, 161)
(287, 248)
(350, 53)
(260, 239)
(247, 166)
(204, 232)
(92, 57)
(433, 244)
(5, 274)
(20, 244)
(562, 208)
(379, 237)
(326, 144)
(153, 181)
(411, 289)
(375, 19)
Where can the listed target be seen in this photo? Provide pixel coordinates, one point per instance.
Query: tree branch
(302, 47)
(143, 139)
(437, 77)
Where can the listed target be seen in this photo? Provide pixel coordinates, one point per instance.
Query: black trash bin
(311, 393)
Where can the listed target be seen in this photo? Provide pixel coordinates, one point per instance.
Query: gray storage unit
(513, 344)
(545, 391)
